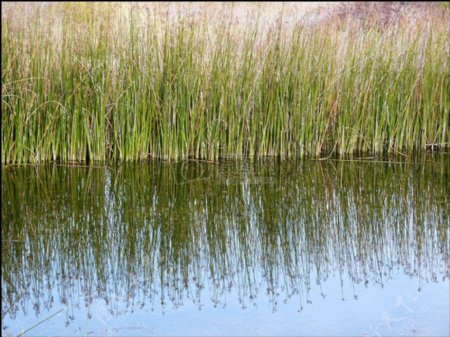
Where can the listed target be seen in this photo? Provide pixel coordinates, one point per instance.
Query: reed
(92, 82)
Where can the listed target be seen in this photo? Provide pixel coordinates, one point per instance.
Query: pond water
(355, 247)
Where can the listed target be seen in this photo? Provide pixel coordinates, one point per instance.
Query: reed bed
(99, 82)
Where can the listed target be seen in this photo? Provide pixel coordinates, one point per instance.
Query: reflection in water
(159, 234)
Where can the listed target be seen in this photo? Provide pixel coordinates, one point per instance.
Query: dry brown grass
(245, 13)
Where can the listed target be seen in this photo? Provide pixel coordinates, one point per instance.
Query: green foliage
(94, 86)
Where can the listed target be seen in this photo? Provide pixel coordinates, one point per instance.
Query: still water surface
(235, 248)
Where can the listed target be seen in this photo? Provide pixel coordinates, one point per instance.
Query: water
(235, 248)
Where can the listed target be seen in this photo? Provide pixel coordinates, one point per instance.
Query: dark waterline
(234, 248)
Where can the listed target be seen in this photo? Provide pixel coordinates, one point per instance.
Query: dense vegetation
(89, 82)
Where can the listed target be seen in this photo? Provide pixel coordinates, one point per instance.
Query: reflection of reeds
(161, 233)
(92, 82)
